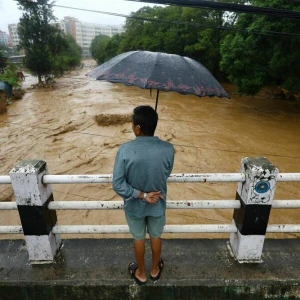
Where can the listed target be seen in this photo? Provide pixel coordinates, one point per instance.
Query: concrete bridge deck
(194, 269)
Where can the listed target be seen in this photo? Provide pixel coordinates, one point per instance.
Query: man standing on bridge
(141, 170)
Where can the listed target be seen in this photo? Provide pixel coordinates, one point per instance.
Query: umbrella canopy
(161, 71)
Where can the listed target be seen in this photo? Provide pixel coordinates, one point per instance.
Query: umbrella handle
(157, 94)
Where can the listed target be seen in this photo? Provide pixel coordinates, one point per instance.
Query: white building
(4, 38)
(84, 33)
(14, 39)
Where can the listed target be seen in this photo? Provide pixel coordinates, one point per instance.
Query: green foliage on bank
(48, 50)
(8, 71)
(247, 59)
(200, 43)
(253, 61)
(10, 75)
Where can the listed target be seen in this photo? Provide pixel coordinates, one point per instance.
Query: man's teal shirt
(143, 164)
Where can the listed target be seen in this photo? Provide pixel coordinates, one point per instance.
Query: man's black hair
(146, 117)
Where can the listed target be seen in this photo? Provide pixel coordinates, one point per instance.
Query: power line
(268, 33)
(240, 8)
(182, 23)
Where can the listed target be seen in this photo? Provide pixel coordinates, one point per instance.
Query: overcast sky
(9, 12)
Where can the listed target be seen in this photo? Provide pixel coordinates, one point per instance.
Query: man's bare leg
(139, 252)
(156, 251)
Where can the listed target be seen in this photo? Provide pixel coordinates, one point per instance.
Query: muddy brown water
(210, 135)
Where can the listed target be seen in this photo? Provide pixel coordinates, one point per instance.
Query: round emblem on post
(262, 187)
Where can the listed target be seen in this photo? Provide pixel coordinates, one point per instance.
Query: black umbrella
(161, 71)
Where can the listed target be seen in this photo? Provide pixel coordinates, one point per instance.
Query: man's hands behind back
(152, 197)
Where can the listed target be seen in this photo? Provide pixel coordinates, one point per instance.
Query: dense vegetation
(247, 58)
(9, 75)
(48, 50)
(254, 60)
(98, 48)
(8, 71)
(69, 57)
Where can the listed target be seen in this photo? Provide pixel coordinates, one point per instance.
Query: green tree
(69, 57)
(254, 60)
(98, 48)
(154, 36)
(185, 31)
(203, 42)
(114, 46)
(39, 37)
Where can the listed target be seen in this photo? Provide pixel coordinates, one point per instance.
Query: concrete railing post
(32, 198)
(256, 195)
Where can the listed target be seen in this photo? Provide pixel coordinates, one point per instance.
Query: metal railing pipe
(11, 229)
(107, 178)
(180, 177)
(59, 179)
(179, 204)
(288, 177)
(82, 205)
(5, 179)
(171, 204)
(206, 228)
(277, 228)
(199, 228)
(286, 204)
(203, 204)
(84, 229)
(8, 206)
(207, 177)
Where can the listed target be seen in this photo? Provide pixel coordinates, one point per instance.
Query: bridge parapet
(257, 182)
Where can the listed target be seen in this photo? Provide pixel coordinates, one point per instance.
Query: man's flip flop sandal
(160, 267)
(132, 267)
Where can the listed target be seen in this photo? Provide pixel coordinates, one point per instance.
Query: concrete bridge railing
(257, 183)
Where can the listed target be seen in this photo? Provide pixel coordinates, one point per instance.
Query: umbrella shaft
(157, 94)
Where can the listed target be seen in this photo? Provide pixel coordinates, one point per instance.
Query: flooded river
(209, 135)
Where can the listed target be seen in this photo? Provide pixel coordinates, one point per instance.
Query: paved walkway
(194, 269)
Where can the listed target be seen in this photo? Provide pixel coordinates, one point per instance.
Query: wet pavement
(194, 269)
